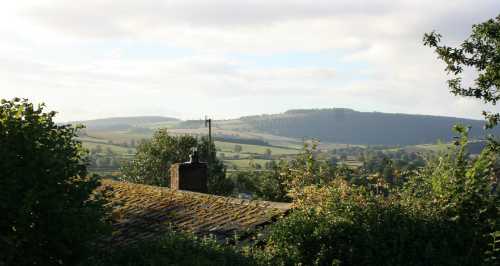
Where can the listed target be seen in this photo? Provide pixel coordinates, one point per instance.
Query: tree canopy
(50, 212)
(481, 52)
(155, 156)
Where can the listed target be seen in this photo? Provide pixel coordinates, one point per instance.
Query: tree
(268, 153)
(333, 161)
(238, 148)
(481, 52)
(154, 157)
(270, 165)
(50, 210)
(217, 181)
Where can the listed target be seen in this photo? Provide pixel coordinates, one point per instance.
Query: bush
(174, 249)
(447, 214)
(48, 217)
(269, 185)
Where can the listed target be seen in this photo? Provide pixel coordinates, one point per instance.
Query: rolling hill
(123, 123)
(371, 128)
(335, 125)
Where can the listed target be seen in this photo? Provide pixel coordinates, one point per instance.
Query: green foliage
(447, 214)
(481, 51)
(174, 249)
(381, 169)
(272, 184)
(461, 193)
(217, 181)
(238, 148)
(268, 185)
(49, 211)
(155, 156)
(285, 178)
(306, 170)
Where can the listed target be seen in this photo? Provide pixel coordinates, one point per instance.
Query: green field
(244, 164)
(225, 147)
(281, 148)
(112, 140)
(231, 155)
(114, 148)
(119, 136)
(254, 149)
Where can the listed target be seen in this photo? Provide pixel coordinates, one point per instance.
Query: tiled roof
(142, 212)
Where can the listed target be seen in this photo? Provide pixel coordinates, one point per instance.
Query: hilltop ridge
(331, 125)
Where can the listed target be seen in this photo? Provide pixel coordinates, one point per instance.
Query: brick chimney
(190, 175)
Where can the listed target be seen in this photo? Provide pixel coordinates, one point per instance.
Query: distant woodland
(373, 128)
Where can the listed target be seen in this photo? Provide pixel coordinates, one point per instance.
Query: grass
(114, 148)
(230, 155)
(119, 136)
(254, 149)
(244, 163)
(431, 147)
(169, 124)
(92, 139)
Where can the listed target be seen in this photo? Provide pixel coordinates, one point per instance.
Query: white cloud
(87, 59)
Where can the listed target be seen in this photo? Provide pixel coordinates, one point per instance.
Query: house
(143, 212)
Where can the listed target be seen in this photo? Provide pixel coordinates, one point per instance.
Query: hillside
(336, 125)
(353, 127)
(124, 123)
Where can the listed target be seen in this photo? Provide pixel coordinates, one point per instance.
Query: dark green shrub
(269, 185)
(174, 249)
(48, 217)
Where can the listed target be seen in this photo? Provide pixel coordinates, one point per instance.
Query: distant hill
(335, 125)
(123, 123)
(353, 127)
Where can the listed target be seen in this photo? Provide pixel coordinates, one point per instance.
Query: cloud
(219, 13)
(148, 56)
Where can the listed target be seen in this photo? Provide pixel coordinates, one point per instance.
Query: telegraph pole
(208, 122)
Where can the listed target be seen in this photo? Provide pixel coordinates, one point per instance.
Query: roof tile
(142, 212)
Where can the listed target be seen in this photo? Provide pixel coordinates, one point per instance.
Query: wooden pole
(208, 121)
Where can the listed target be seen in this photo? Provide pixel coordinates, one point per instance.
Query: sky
(92, 59)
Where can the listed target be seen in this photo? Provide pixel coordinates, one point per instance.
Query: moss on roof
(142, 212)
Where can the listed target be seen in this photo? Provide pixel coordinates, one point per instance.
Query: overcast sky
(227, 58)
